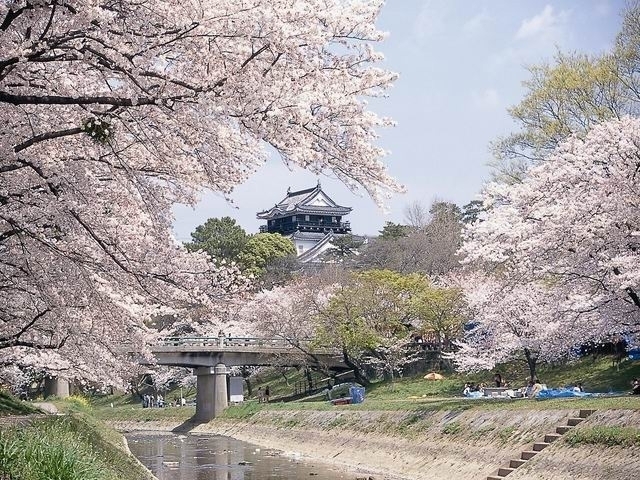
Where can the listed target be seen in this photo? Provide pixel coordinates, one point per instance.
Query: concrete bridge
(210, 356)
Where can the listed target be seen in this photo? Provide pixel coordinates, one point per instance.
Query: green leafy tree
(569, 96)
(392, 230)
(343, 247)
(369, 318)
(264, 249)
(472, 211)
(221, 238)
(442, 312)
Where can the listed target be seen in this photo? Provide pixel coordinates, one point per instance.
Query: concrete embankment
(589, 462)
(433, 445)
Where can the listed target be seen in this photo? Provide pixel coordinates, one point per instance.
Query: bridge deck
(208, 351)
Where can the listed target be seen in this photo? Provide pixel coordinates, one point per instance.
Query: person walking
(260, 395)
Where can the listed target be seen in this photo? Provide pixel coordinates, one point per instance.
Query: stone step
(528, 455)
(516, 463)
(504, 471)
(495, 477)
(551, 437)
(563, 430)
(586, 413)
(539, 446)
(572, 422)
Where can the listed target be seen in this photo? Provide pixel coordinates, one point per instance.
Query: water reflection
(209, 457)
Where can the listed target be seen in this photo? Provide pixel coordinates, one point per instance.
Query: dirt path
(46, 407)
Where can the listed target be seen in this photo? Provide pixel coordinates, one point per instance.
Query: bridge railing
(220, 341)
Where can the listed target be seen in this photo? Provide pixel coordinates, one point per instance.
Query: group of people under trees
(530, 390)
(152, 401)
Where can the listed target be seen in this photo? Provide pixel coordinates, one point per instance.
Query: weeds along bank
(71, 447)
(441, 444)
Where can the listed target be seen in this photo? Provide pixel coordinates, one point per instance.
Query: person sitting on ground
(537, 388)
(578, 388)
(467, 390)
(635, 387)
(528, 392)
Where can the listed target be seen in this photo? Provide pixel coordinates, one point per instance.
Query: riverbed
(215, 457)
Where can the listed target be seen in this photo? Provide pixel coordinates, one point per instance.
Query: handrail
(221, 341)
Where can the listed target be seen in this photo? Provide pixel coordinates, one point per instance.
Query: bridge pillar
(56, 387)
(211, 393)
(220, 402)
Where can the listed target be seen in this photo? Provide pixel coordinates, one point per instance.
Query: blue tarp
(561, 393)
(357, 394)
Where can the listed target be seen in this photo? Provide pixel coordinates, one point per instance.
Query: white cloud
(432, 19)
(487, 99)
(477, 23)
(545, 24)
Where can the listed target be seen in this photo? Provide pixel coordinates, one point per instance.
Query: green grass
(278, 386)
(137, 413)
(65, 448)
(243, 411)
(604, 435)
(595, 375)
(451, 428)
(118, 400)
(9, 405)
(414, 394)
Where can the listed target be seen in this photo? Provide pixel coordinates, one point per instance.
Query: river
(213, 457)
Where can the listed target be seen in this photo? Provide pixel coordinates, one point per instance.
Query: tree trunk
(357, 371)
(531, 363)
(283, 372)
(307, 373)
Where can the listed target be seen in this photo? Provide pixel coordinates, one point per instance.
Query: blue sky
(461, 65)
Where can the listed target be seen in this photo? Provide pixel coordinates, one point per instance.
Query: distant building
(310, 218)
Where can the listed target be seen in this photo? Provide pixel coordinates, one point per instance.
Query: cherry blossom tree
(114, 111)
(569, 232)
(512, 320)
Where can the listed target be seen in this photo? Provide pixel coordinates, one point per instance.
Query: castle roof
(309, 201)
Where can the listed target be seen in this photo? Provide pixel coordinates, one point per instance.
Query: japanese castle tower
(309, 218)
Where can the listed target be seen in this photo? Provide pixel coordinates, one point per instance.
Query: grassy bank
(415, 394)
(10, 405)
(608, 436)
(596, 375)
(74, 446)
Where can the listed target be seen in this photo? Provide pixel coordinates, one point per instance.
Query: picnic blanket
(561, 393)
